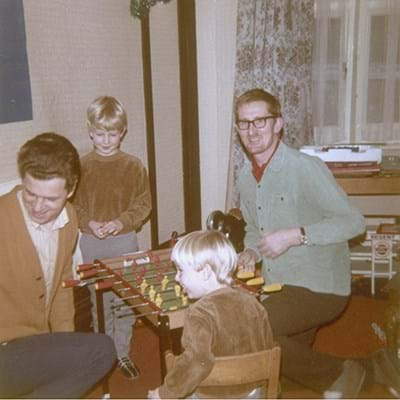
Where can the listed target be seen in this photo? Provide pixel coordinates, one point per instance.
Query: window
(356, 71)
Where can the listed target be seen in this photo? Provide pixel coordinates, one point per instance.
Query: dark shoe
(349, 383)
(386, 369)
(128, 368)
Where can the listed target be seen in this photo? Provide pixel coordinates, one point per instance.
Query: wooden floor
(353, 335)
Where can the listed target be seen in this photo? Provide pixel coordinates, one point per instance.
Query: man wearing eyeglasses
(298, 222)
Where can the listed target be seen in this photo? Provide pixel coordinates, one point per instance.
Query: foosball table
(145, 284)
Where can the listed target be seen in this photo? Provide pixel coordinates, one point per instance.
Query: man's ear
(278, 125)
(72, 191)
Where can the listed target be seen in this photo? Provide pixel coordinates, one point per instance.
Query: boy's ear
(206, 272)
(123, 133)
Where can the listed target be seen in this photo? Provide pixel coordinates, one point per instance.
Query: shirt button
(259, 207)
(259, 186)
(262, 228)
(41, 296)
(39, 278)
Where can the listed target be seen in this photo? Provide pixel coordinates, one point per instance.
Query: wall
(78, 50)
(167, 118)
(216, 52)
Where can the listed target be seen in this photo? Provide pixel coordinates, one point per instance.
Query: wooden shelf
(370, 185)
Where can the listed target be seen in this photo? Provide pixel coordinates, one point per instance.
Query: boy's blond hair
(107, 113)
(199, 248)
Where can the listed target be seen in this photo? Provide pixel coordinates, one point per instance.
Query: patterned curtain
(274, 52)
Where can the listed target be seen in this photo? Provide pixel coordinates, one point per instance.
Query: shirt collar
(61, 220)
(258, 170)
(278, 159)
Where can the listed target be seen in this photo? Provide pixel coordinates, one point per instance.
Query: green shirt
(299, 190)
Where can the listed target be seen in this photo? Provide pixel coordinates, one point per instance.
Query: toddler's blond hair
(199, 248)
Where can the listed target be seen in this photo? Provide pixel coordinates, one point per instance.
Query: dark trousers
(58, 365)
(295, 315)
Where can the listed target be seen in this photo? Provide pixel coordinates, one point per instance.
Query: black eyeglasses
(258, 123)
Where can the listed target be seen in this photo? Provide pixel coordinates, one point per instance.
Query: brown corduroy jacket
(23, 308)
(226, 322)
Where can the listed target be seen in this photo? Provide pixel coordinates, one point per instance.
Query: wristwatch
(303, 237)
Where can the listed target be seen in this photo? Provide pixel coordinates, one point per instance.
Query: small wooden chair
(262, 366)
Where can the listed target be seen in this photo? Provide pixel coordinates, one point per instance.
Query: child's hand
(112, 227)
(97, 229)
(153, 394)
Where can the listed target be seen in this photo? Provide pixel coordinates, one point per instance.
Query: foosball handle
(104, 285)
(89, 273)
(84, 267)
(70, 283)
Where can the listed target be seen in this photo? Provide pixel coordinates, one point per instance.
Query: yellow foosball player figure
(205, 262)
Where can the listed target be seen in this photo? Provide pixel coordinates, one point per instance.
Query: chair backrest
(262, 366)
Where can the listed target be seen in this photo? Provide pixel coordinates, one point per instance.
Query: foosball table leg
(165, 342)
(101, 328)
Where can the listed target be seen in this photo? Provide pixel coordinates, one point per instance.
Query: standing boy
(205, 262)
(40, 355)
(112, 202)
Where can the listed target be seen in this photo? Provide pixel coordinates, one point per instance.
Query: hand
(247, 260)
(112, 227)
(153, 394)
(273, 244)
(96, 228)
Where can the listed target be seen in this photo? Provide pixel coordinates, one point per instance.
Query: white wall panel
(167, 118)
(216, 46)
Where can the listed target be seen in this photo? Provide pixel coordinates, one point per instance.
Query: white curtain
(356, 71)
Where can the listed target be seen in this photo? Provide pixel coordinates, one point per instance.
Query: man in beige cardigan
(40, 355)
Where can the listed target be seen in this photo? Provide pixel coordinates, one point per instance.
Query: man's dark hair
(50, 155)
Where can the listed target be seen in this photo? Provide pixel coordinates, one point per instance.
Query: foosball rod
(122, 300)
(139, 315)
(96, 265)
(94, 272)
(108, 284)
(79, 283)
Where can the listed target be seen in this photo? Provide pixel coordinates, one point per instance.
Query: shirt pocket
(283, 211)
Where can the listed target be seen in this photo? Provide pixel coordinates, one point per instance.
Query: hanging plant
(141, 8)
